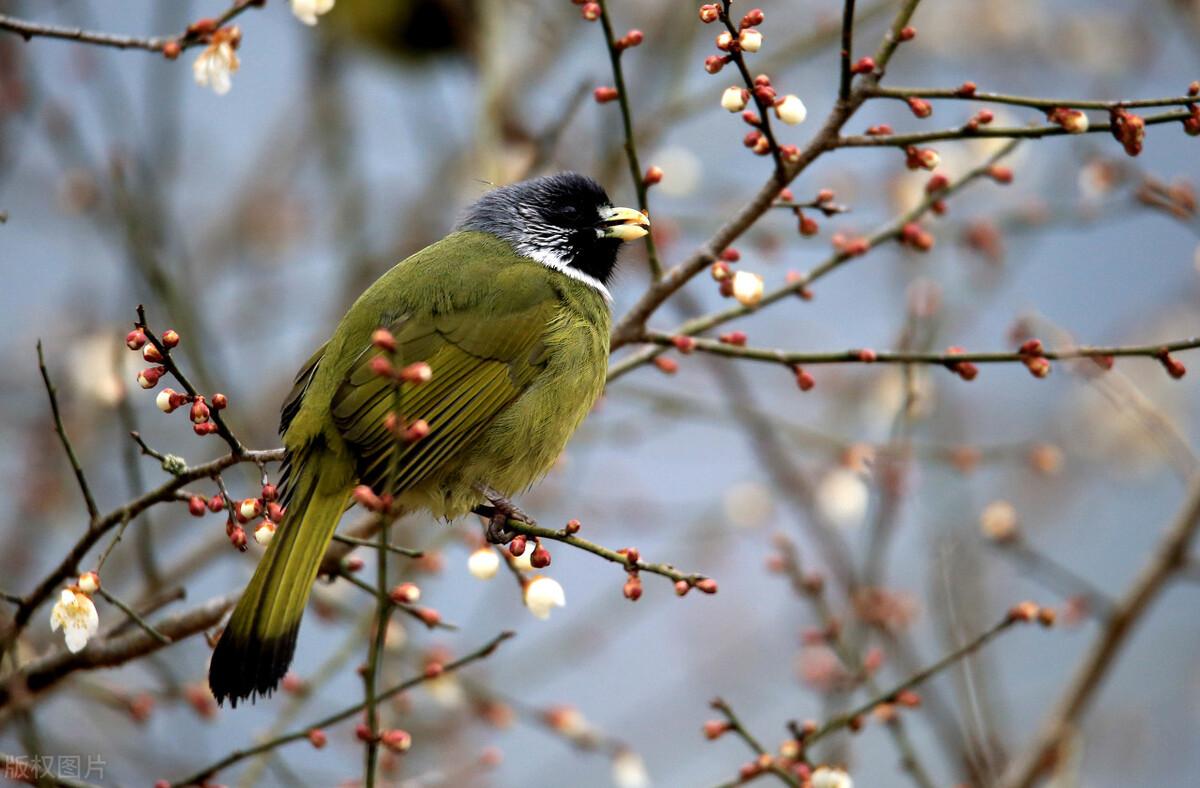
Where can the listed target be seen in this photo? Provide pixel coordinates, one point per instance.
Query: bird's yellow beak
(624, 224)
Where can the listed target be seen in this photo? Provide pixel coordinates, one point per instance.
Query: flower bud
(170, 338)
(543, 594)
(135, 339)
(199, 412)
(632, 588)
(237, 537)
(275, 512)
(920, 107)
(383, 339)
(714, 63)
(735, 338)
(148, 378)
(591, 11)
(653, 175)
(171, 50)
(249, 509)
(151, 354)
(864, 65)
(750, 40)
(166, 400)
(804, 379)
(317, 738)
(684, 344)
(709, 13)
(89, 582)
(734, 99)
(405, 594)
(264, 533)
(791, 110)
(747, 288)
(724, 41)
(367, 498)
(715, 729)
(605, 94)
(540, 558)
(417, 373)
(483, 563)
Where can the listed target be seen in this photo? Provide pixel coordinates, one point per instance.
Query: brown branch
(69, 565)
(736, 726)
(1026, 101)
(636, 173)
(888, 232)
(1168, 559)
(630, 326)
(52, 393)
(847, 44)
(41, 674)
(792, 358)
(202, 775)
(981, 132)
(30, 30)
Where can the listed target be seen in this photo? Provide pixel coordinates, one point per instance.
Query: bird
(511, 312)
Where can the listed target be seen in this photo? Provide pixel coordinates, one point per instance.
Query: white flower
(76, 614)
(542, 595)
(629, 770)
(748, 504)
(842, 497)
(791, 110)
(447, 691)
(747, 288)
(734, 99)
(830, 777)
(483, 563)
(750, 40)
(307, 11)
(216, 65)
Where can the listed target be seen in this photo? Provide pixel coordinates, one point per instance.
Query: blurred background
(250, 221)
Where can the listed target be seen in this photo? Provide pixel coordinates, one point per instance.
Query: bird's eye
(569, 212)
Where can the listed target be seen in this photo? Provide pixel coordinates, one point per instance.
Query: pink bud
(135, 339)
(196, 506)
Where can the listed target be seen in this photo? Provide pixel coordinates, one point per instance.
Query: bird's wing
(480, 364)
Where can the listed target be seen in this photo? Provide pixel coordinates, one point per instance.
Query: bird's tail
(257, 645)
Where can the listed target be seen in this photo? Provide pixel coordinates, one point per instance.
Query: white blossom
(75, 613)
(542, 595)
(483, 563)
(307, 11)
(216, 65)
(264, 533)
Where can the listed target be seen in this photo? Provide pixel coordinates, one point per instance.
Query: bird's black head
(564, 221)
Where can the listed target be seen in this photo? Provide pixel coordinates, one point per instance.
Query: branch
(635, 168)
(864, 356)
(738, 58)
(1169, 558)
(41, 674)
(189, 38)
(1025, 101)
(888, 232)
(223, 430)
(846, 719)
(630, 326)
(847, 43)
(201, 776)
(52, 393)
(69, 565)
(735, 725)
(665, 570)
(980, 132)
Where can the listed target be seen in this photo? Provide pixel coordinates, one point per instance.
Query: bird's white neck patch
(551, 259)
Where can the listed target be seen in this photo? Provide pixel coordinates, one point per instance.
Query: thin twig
(52, 393)
(1026, 101)
(146, 626)
(847, 44)
(30, 30)
(238, 755)
(860, 356)
(636, 173)
(844, 720)
(1169, 557)
(393, 548)
(665, 570)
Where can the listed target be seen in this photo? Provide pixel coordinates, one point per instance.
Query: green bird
(511, 312)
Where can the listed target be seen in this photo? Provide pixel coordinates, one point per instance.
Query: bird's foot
(498, 512)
